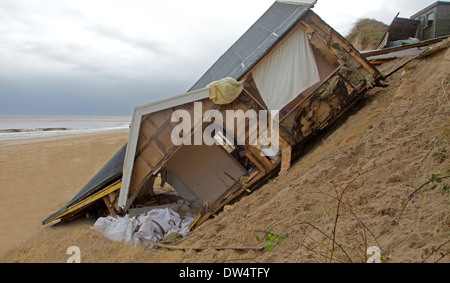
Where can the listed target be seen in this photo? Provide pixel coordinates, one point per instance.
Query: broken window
(237, 152)
(430, 19)
(226, 143)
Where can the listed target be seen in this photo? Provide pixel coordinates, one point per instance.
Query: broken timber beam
(286, 156)
(176, 248)
(110, 208)
(77, 207)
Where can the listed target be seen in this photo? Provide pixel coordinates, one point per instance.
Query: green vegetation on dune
(367, 34)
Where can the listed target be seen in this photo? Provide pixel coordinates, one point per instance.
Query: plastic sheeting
(225, 91)
(153, 225)
(288, 71)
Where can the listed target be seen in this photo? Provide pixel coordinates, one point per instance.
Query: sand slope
(371, 160)
(39, 176)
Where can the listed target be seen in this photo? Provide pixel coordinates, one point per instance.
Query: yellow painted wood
(88, 201)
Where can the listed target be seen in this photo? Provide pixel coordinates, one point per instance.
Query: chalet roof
(430, 7)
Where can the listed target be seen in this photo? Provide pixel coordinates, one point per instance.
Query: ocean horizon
(28, 127)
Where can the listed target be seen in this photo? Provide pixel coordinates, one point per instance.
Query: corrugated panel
(255, 43)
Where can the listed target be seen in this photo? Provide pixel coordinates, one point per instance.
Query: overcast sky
(104, 57)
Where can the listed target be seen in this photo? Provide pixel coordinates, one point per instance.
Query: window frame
(427, 21)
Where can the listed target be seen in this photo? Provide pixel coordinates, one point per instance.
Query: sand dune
(376, 156)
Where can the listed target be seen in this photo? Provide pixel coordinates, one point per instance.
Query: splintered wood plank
(256, 162)
(262, 159)
(317, 21)
(111, 210)
(286, 155)
(81, 205)
(178, 248)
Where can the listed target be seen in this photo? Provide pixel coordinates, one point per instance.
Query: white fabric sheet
(288, 71)
(153, 225)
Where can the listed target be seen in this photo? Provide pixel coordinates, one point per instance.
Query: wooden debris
(111, 210)
(176, 248)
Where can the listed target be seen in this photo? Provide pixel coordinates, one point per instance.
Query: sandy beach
(39, 176)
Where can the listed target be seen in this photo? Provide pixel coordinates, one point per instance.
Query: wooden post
(286, 156)
(109, 206)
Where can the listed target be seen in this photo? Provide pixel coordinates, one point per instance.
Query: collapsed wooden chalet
(290, 60)
(400, 31)
(412, 37)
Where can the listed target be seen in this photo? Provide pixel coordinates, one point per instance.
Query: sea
(28, 127)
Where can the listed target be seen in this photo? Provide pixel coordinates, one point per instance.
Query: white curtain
(288, 71)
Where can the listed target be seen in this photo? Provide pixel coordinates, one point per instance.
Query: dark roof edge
(430, 7)
(110, 172)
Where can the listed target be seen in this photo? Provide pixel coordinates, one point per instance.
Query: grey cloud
(406, 8)
(65, 53)
(10, 10)
(116, 34)
(81, 95)
(15, 11)
(77, 58)
(72, 74)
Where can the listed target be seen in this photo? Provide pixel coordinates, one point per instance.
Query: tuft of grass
(272, 239)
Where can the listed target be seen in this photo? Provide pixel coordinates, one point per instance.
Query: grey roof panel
(230, 59)
(255, 43)
(256, 35)
(107, 175)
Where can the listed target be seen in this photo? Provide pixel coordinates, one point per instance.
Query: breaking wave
(12, 129)
(33, 130)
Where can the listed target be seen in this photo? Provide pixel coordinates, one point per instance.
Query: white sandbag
(119, 229)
